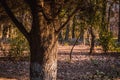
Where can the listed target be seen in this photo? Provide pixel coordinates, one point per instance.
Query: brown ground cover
(82, 67)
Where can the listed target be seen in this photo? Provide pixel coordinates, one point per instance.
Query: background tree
(119, 24)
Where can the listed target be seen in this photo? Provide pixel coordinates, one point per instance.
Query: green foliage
(19, 47)
(105, 40)
(94, 62)
(66, 44)
(115, 46)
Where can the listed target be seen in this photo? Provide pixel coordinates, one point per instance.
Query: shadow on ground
(82, 67)
(89, 67)
(10, 70)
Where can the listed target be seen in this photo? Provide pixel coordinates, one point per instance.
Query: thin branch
(73, 48)
(68, 19)
(18, 24)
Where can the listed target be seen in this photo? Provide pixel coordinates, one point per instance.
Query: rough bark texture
(43, 63)
(43, 59)
(42, 37)
(43, 46)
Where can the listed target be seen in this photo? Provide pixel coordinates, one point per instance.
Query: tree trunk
(119, 24)
(43, 47)
(5, 31)
(92, 40)
(67, 32)
(73, 31)
(82, 36)
(119, 32)
(73, 28)
(43, 60)
(60, 38)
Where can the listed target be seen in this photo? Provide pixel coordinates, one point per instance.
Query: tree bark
(60, 38)
(43, 60)
(119, 24)
(92, 40)
(42, 37)
(82, 36)
(43, 46)
(67, 32)
(73, 28)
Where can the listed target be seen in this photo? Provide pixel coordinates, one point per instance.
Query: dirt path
(82, 67)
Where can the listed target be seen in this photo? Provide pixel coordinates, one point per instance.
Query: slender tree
(119, 24)
(73, 28)
(92, 40)
(67, 32)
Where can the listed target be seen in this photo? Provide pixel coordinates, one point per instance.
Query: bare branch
(18, 24)
(68, 19)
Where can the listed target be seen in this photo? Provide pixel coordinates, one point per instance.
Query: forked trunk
(43, 46)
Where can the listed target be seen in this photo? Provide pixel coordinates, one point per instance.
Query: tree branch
(68, 19)
(18, 24)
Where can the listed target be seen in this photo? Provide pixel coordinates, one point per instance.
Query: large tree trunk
(43, 60)
(42, 37)
(43, 47)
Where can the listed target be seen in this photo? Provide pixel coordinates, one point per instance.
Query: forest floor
(82, 67)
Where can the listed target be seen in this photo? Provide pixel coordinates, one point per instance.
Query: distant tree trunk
(88, 36)
(119, 24)
(5, 31)
(1, 31)
(82, 36)
(109, 15)
(73, 28)
(73, 47)
(9, 33)
(82, 32)
(92, 40)
(60, 37)
(67, 32)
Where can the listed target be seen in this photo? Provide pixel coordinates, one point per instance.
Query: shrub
(18, 45)
(106, 40)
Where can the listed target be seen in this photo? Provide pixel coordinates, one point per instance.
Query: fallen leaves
(82, 66)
